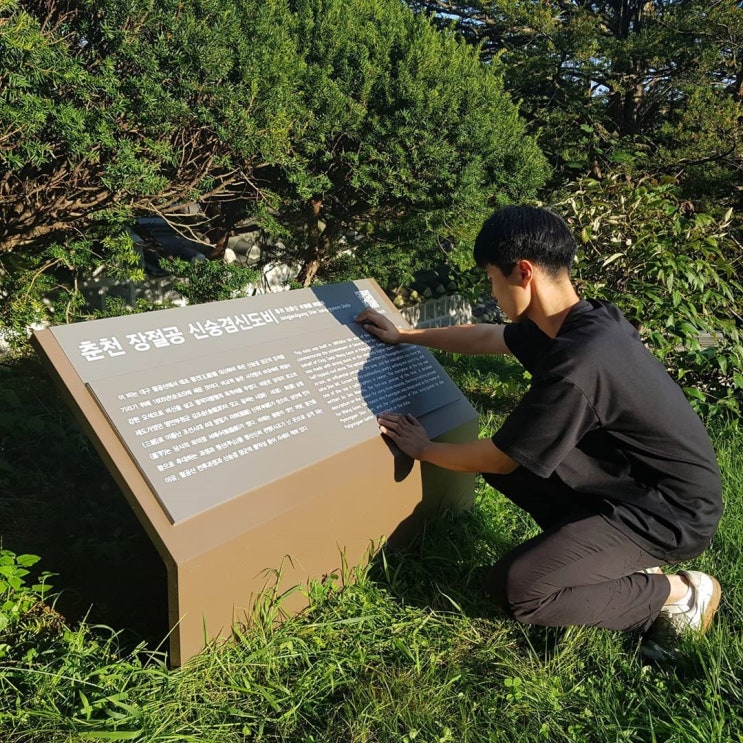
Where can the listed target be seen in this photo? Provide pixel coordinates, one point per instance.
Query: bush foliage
(340, 125)
(655, 84)
(674, 272)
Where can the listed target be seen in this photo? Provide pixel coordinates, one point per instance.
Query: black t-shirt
(603, 416)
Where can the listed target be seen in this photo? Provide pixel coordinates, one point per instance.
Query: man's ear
(523, 272)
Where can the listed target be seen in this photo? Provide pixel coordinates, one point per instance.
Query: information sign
(214, 412)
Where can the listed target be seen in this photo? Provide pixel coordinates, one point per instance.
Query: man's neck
(552, 300)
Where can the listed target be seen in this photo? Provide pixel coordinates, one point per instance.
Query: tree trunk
(308, 273)
(315, 243)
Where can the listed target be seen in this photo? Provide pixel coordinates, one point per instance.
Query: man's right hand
(380, 326)
(480, 338)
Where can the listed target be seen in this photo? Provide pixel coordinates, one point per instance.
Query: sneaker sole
(713, 604)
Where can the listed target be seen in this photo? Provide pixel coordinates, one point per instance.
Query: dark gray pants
(581, 570)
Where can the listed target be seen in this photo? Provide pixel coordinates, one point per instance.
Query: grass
(403, 649)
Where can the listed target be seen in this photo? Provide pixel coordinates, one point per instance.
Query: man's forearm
(465, 339)
(473, 456)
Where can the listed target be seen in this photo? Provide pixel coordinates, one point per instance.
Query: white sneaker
(674, 620)
(705, 599)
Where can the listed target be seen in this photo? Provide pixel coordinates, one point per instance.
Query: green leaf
(27, 560)
(694, 393)
(613, 257)
(110, 734)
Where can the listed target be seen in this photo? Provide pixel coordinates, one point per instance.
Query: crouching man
(603, 450)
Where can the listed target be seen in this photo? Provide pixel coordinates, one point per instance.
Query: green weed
(405, 648)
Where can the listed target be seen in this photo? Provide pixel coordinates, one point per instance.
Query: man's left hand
(406, 432)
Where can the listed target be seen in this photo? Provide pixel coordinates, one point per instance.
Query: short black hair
(525, 232)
